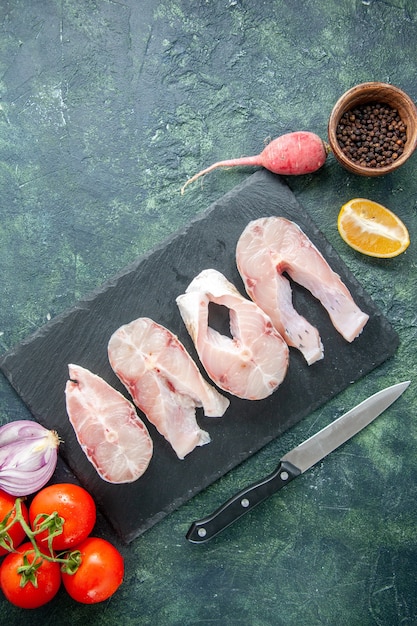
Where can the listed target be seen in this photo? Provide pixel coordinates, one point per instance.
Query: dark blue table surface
(106, 108)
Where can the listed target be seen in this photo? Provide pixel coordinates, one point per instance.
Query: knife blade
(296, 462)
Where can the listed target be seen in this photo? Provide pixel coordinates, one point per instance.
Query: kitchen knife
(296, 462)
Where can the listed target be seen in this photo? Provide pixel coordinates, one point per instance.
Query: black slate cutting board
(37, 368)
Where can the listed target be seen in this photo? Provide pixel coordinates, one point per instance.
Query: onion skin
(28, 457)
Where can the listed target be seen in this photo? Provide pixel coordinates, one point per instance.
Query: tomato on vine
(66, 511)
(100, 572)
(11, 534)
(27, 580)
(58, 548)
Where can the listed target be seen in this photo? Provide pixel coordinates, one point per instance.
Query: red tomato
(16, 533)
(48, 577)
(74, 504)
(99, 575)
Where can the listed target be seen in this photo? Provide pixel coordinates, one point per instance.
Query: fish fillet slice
(270, 246)
(108, 429)
(251, 363)
(164, 382)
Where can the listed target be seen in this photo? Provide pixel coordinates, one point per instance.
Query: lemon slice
(372, 229)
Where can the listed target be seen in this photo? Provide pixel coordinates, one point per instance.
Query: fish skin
(108, 429)
(266, 249)
(164, 382)
(253, 362)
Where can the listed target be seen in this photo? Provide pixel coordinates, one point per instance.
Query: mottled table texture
(105, 109)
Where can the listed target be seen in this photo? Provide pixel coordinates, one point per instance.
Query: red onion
(28, 457)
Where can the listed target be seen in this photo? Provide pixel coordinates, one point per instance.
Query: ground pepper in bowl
(372, 134)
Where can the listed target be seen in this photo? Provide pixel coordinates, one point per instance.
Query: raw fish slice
(164, 382)
(270, 246)
(272, 292)
(108, 429)
(253, 362)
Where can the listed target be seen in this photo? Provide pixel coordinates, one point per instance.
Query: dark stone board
(37, 368)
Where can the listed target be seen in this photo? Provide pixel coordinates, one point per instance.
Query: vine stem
(70, 563)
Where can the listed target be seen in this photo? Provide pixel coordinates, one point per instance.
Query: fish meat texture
(272, 246)
(253, 361)
(164, 382)
(108, 429)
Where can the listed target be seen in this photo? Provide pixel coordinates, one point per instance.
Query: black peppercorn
(372, 135)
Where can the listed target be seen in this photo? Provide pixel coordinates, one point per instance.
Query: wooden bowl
(384, 94)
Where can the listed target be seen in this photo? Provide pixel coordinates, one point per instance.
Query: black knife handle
(241, 503)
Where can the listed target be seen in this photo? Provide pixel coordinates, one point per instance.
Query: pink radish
(296, 153)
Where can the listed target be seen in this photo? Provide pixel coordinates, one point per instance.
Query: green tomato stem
(53, 524)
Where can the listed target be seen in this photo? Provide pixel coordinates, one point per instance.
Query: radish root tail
(203, 173)
(251, 160)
